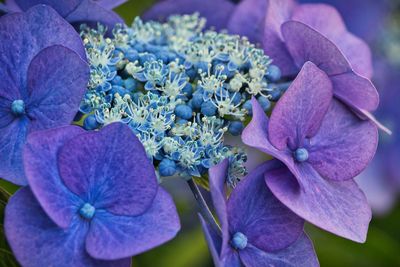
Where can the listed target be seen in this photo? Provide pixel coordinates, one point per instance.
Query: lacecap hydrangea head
(180, 88)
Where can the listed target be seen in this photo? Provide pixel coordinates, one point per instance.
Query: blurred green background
(190, 250)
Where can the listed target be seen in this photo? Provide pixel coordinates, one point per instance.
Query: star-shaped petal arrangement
(257, 230)
(44, 78)
(93, 200)
(76, 11)
(323, 147)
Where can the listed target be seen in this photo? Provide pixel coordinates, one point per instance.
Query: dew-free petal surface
(300, 111)
(300, 254)
(344, 145)
(63, 7)
(57, 81)
(110, 4)
(217, 12)
(110, 170)
(112, 236)
(338, 207)
(41, 168)
(36, 241)
(255, 212)
(214, 241)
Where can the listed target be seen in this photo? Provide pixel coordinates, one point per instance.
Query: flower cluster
(179, 88)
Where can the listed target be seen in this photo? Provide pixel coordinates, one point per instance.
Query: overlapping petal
(41, 169)
(62, 7)
(27, 227)
(110, 169)
(57, 80)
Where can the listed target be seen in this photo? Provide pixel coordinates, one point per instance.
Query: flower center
(18, 107)
(87, 211)
(239, 241)
(301, 154)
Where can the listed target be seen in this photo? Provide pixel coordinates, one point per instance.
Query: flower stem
(204, 209)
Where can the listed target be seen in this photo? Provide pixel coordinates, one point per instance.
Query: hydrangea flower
(43, 79)
(75, 11)
(93, 200)
(257, 230)
(180, 88)
(323, 147)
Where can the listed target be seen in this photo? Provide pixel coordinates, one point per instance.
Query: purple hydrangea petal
(213, 240)
(306, 44)
(344, 145)
(112, 236)
(256, 213)
(90, 11)
(300, 254)
(12, 140)
(337, 207)
(300, 111)
(217, 178)
(41, 27)
(277, 13)
(110, 170)
(327, 20)
(217, 12)
(55, 93)
(41, 169)
(12, 6)
(110, 4)
(249, 21)
(37, 241)
(62, 7)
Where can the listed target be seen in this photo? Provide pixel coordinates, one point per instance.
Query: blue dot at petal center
(87, 211)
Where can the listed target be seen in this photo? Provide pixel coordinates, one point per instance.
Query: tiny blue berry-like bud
(188, 90)
(239, 241)
(130, 84)
(274, 73)
(275, 94)
(301, 154)
(208, 108)
(18, 107)
(236, 128)
(146, 57)
(87, 211)
(183, 111)
(247, 106)
(167, 167)
(90, 123)
(117, 81)
(197, 100)
(264, 103)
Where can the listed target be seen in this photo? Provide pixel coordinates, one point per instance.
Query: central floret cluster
(179, 88)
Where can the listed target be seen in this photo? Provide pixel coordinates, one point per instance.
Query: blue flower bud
(132, 55)
(247, 106)
(183, 111)
(130, 84)
(188, 90)
(264, 103)
(147, 57)
(275, 94)
(197, 100)
(208, 108)
(239, 241)
(117, 81)
(301, 154)
(236, 128)
(167, 167)
(18, 107)
(87, 211)
(90, 123)
(274, 73)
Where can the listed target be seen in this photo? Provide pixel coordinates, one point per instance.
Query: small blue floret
(18, 107)
(90, 123)
(239, 241)
(87, 211)
(247, 106)
(167, 167)
(236, 128)
(264, 103)
(274, 73)
(183, 111)
(208, 109)
(301, 154)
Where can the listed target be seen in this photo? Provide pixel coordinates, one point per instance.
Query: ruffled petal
(249, 21)
(110, 170)
(37, 241)
(41, 169)
(277, 13)
(300, 111)
(112, 236)
(217, 12)
(57, 81)
(263, 219)
(62, 7)
(337, 207)
(300, 254)
(344, 145)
